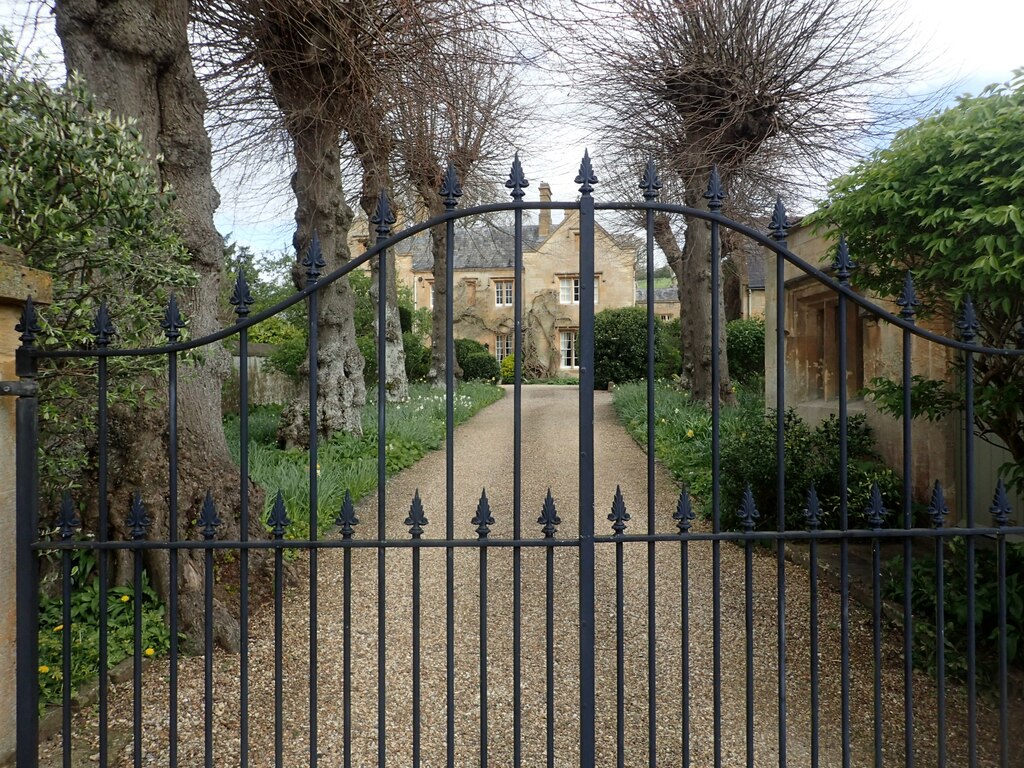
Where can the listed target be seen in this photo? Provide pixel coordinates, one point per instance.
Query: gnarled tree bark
(134, 56)
(321, 208)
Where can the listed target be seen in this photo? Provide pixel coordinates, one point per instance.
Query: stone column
(16, 282)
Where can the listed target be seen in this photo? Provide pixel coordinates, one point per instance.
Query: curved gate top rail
(670, 733)
(774, 241)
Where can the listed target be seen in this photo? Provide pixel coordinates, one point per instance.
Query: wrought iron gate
(676, 724)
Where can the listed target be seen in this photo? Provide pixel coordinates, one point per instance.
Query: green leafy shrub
(986, 606)
(466, 347)
(289, 355)
(417, 357)
(944, 201)
(668, 355)
(682, 442)
(405, 318)
(481, 367)
(508, 369)
(620, 347)
(84, 628)
(682, 428)
(745, 343)
(812, 456)
(80, 199)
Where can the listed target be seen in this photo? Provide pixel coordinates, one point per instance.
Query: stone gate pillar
(16, 282)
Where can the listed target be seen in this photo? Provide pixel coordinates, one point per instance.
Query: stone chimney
(544, 222)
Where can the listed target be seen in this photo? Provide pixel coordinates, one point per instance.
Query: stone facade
(484, 280)
(874, 349)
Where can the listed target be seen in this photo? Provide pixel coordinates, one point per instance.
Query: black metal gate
(671, 733)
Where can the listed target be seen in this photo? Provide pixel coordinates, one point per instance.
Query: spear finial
(451, 189)
(715, 194)
(650, 183)
(517, 181)
(416, 519)
(549, 517)
(684, 512)
(619, 516)
(483, 519)
(314, 261)
(586, 178)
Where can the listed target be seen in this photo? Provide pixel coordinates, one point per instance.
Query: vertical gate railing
(689, 536)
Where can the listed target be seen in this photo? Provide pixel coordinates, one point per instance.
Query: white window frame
(569, 285)
(506, 287)
(504, 345)
(568, 348)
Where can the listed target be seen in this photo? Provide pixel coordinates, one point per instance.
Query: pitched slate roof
(660, 294)
(485, 246)
(755, 271)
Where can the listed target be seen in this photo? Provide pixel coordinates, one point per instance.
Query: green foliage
(745, 342)
(348, 462)
(812, 456)
(270, 281)
(481, 366)
(466, 347)
(417, 357)
(508, 369)
(289, 355)
(84, 628)
(986, 606)
(682, 441)
(928, 397)
(620, 347)
(80, 199)
(682, 428)
(946, 201)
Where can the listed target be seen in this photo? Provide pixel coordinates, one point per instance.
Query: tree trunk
(692, 267)
(373, 154)
(321, 208)
(439, 271)
(135, 57)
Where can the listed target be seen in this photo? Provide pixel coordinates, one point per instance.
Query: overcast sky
(964, 45)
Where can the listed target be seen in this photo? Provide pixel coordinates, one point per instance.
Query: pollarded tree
(764, 90)
(123, 213)
(946, 201)
(464, 116)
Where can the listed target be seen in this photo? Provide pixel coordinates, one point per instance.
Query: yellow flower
(125, 598)
(58, 628)
(689, 433)
(44, 670)
(149, 651)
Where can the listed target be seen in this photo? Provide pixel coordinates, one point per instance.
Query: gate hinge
(19, 388)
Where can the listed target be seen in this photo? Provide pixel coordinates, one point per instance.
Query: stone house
(874, 349)
(484, 285)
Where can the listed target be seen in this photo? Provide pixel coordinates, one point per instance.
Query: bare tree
(312, 69)
(136, 60)
(464, 115)
(767, 91)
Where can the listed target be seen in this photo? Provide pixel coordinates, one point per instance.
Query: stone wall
(16, 282)
(267, 386)
(874, 350)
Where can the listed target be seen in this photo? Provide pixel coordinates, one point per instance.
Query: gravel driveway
(483, 457)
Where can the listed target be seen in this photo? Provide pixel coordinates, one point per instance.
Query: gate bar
(27, 528)
(586, 179)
